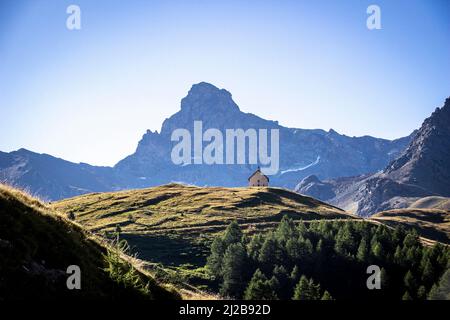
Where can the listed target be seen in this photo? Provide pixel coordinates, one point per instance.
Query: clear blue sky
(89, 95)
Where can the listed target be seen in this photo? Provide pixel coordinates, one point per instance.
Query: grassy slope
(37, 245)
(173, 224)
(433, 224)
(432, 202)
(188, 208)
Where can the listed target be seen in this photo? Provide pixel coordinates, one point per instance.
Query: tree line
(325, 260)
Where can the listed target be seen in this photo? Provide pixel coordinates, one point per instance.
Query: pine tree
(233, 234)
(275, 287)
(437, 253)
(254, 246)
(301, 291)
(410, 282)
(406, 296)
(286, 230)
(413, 255)
(234, 264)
(302, 229)
(326, 296)
(295, 275)
(441, 289)
(377, 250)
(268, 255)
(433, 293)
(214, 261)
(259, 288)
(293, 249)
(422, 293)
(411, 239)
(362, 253)
(345, 241)
(307, 247)
(282, 276)
(398, 256)
(314, 290)
(339, 246)
(398, 235)
(428, 272)
(319, 247)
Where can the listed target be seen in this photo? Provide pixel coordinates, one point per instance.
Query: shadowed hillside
(37, 245)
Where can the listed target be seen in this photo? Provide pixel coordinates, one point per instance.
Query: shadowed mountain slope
(423, 170)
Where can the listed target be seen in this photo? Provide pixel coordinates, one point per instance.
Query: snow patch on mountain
(303, 168)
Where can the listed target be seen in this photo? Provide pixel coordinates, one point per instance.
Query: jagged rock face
(215, 107)
(426, 161)
(377, 193)
(422, 170)
(313, 187)
(151, 156)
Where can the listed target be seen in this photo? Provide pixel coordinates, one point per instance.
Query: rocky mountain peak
(309, 179)
(215, 108)
(205, 97)
(426, 161)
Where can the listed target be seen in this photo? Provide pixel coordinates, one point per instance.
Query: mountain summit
(205, 95)
(215, 108)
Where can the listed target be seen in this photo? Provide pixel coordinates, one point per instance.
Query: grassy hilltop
(191, 209)
(37, 244)
(174, 224)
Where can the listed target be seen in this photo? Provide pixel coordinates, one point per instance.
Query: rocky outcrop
(313, 187)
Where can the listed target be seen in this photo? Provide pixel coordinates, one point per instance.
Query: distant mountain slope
(433, 224)
(431, 202)
(312, 186)
(302, 153)
(169, 223)
(37, 245)
(422, 170)
(53, 178)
